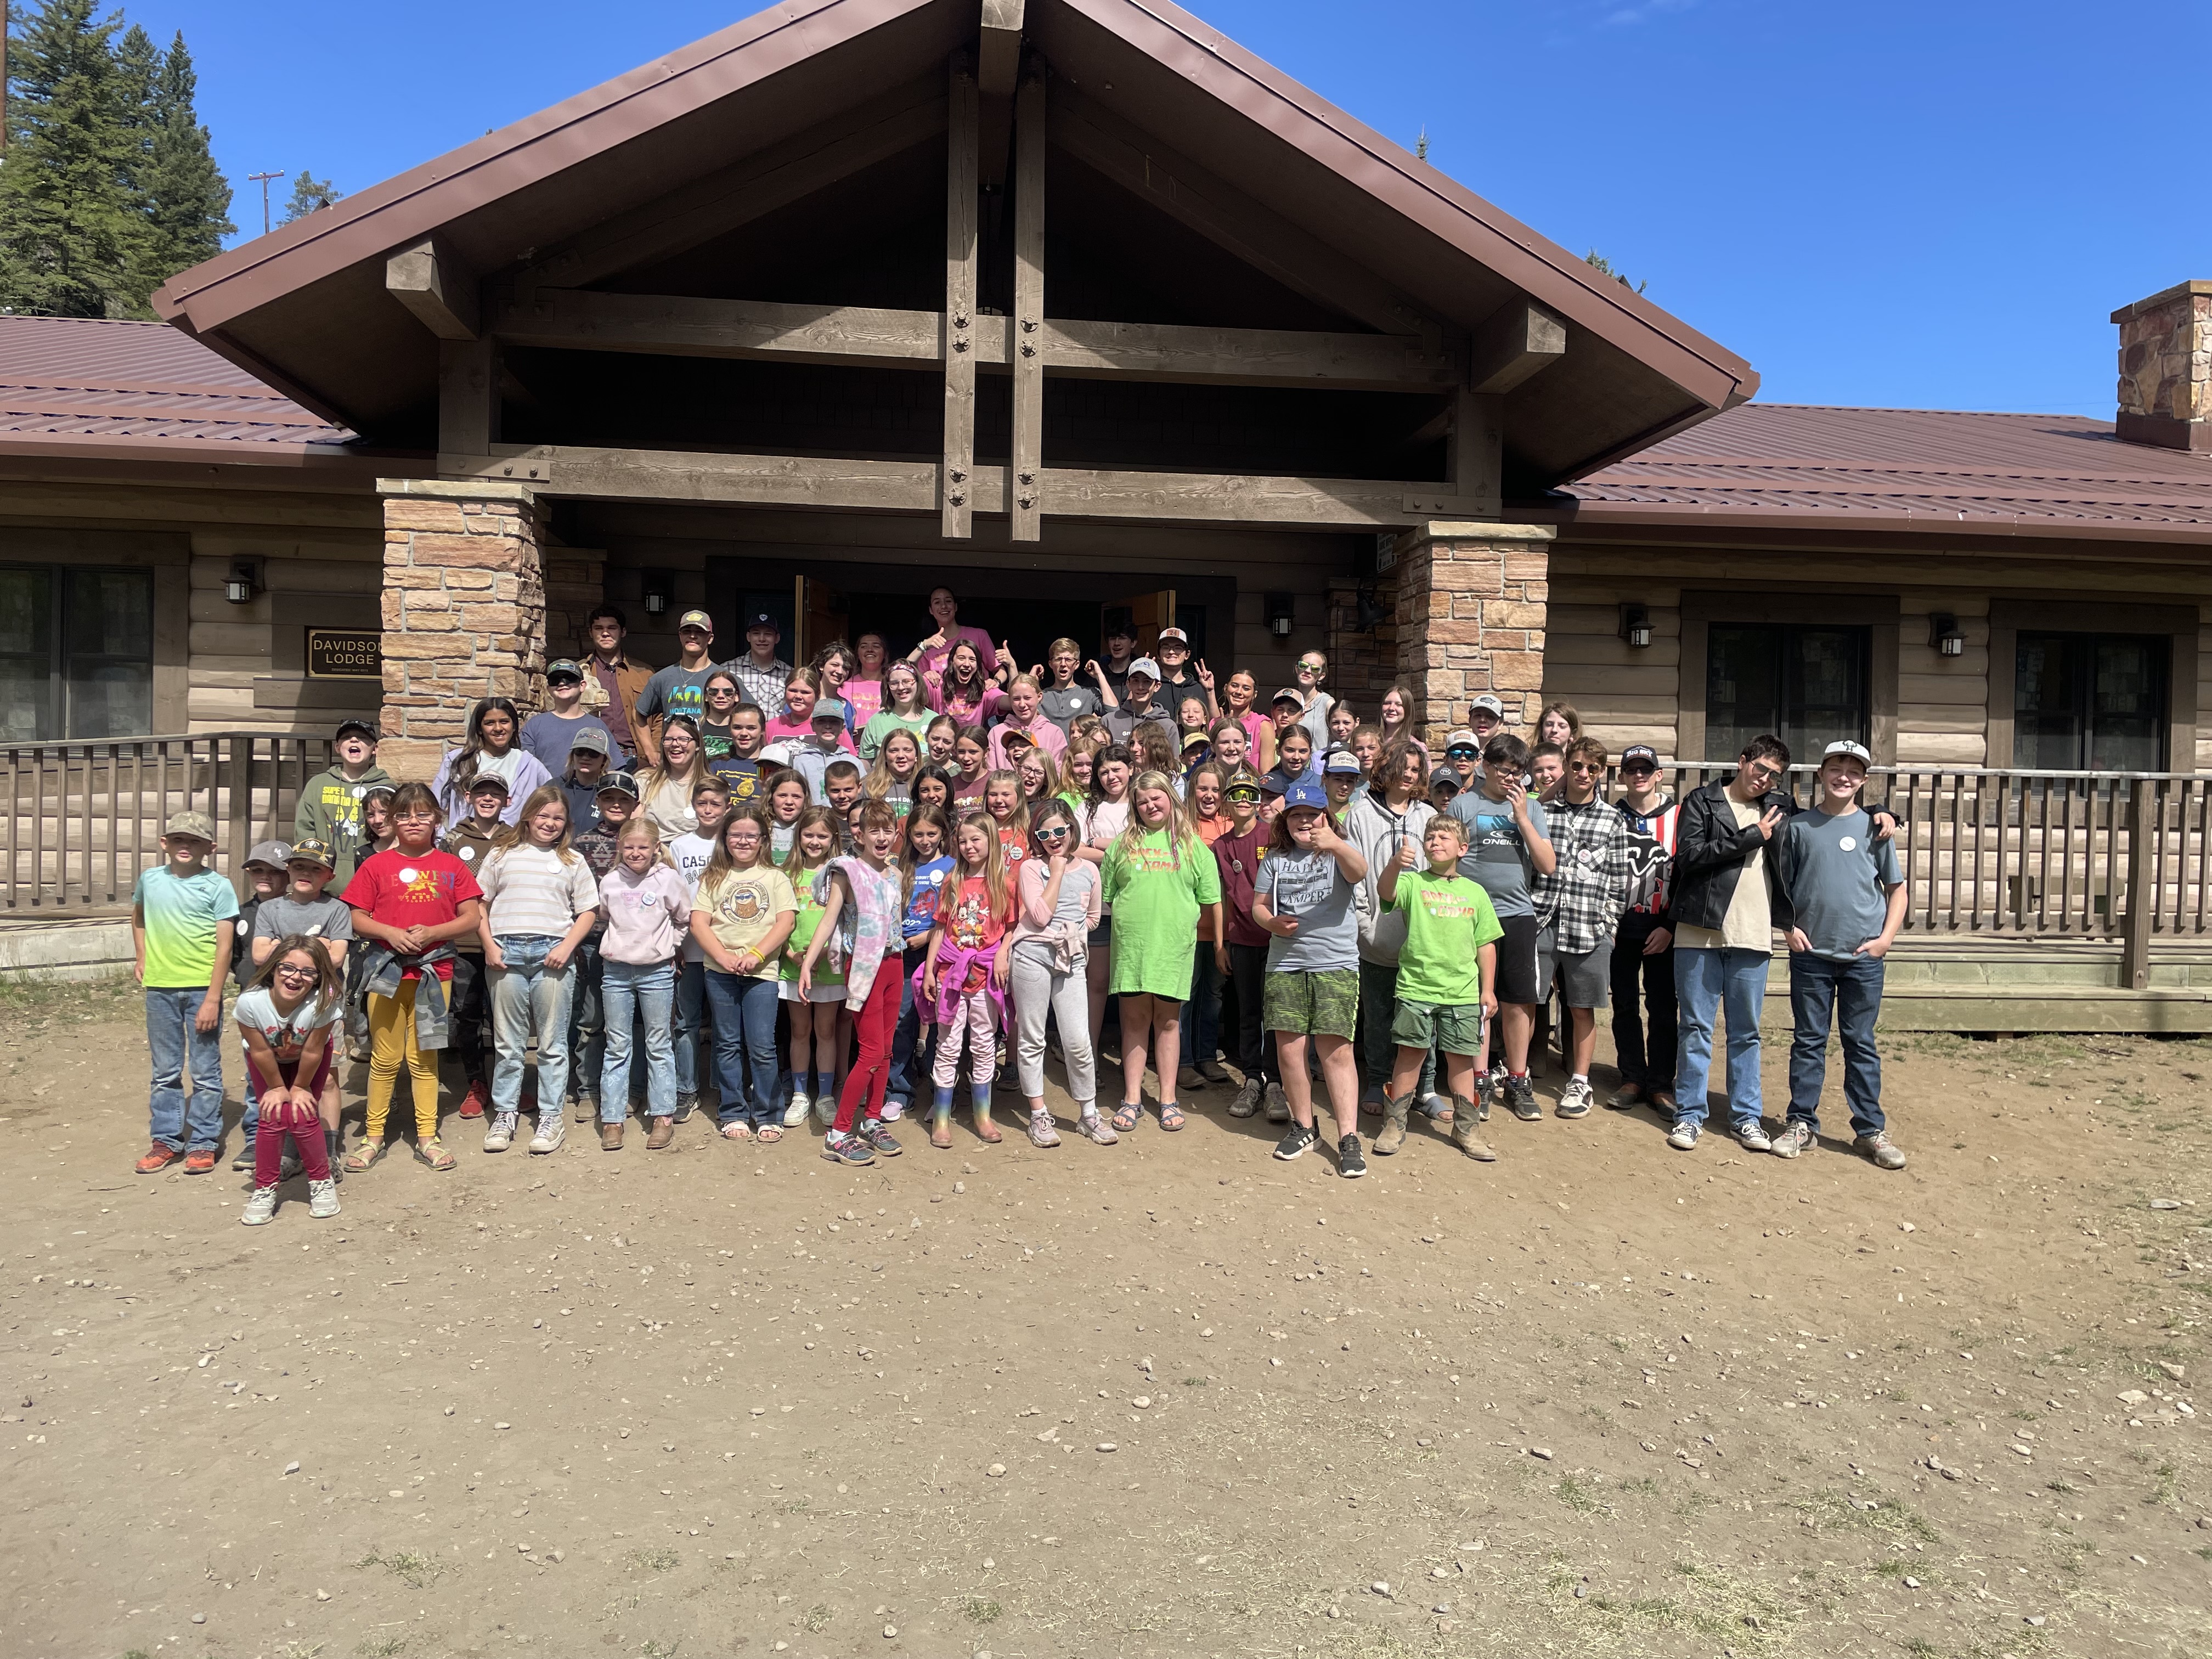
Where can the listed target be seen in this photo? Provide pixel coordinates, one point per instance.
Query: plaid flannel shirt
(1581, 900)
(763, 687)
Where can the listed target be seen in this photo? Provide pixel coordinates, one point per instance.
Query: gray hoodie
(1376, 831)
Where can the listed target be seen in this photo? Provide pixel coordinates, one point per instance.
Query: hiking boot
(1279, 1109)
(477, 1101)
(1520, 1098)
(1797, 1136)
(1881, 1149)
(853, 1150)
(158, 1157)
(1751, 1135)
(1625, 1098)
(1248, 1099)
(1683, 1137)
(1213, 1071)
(663, 1132)
(1465, 1135)
(1575, 1098)
(500, 1135)
(1298, 1143)
(1392, 1135)
(610, 1136)
(552, 1130)
(1351, 1162)
(322, 1199)
(261, 1208)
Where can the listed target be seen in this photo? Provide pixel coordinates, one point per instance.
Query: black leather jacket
(1710, 852)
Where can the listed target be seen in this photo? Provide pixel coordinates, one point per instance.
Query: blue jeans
(587, 1039)
(1705, 982)
(744, 1032)
(690, 1023)
(1820, 992)
(907, 1037)
(630, 992)
(1203, 1039)
(527, 997)
(183, 1123)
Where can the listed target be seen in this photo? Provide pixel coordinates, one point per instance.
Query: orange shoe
(199, 1160)
(477, 1101)
(158, 1157)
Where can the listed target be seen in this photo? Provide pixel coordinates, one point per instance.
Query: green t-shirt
(880, 727)
(1155, 890)
(1448, 920)
(181, 912)
(813, 896)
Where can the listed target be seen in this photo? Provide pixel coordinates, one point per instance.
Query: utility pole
(262, 179)
(3, 78)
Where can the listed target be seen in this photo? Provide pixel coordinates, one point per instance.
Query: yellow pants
(391, 1044)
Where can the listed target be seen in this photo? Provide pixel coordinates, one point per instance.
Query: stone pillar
(464, 612)
(1471, 601)
(2166, 369)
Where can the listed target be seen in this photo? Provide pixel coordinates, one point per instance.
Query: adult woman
(962, 690)
(1558, 724)
(492, 747)
(664, 791)
(865, 690)
(1158, 877)
(903, 709)
(929, 657)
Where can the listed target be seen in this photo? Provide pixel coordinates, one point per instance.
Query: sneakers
(1626, 1097)
(1751, 1135)
(852, 1150)
(322, 1199)
(794, 1114)
(261, 1208)
(1279, 1109)
(243, 1164)
(1042, 1131)
(1796, 1136)
(552, 1130)
(1297, 1144)
(1486, 1091)
(1574, 1099)
(500, 1135)
(1212, 1071)
(1351, 1162)
(871, 1130)
(199, 1161)
(1683, 1137)
(686, 1103)
(1886, 1153)
(1091, 1126)
(894, 1108)
(477, 1101)
(1248, 1099)
(1520, 1098)
(825, 1109)
(158, 1157)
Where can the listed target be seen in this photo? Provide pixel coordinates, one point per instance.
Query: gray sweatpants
(1038, 991)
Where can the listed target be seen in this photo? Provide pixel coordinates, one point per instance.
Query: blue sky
(1930, 206)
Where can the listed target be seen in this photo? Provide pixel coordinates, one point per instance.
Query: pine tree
(66, 222)
(184, 198)
(308, 193)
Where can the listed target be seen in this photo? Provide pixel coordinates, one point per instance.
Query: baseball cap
(484, 780)
(1461, 738)
(1486, 704)
(1845, 746)
(1273, 783)
(1174, 633)
(1342, 760)
(563, 668)
(366, 728)
(618, 783)
(761, 619)
(1191, 740)
(1145, 666)
(274, 854)
(311, 851)
(1445, 776)
(1242, 788)
(1305, 794)
(696, 619)
(590, 739)
(1638, 751)
(197, 824)
(1009, 736)
(828, 708)
(1287, 695)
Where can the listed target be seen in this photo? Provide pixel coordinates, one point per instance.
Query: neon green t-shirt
(1448, 920)
(180, 913)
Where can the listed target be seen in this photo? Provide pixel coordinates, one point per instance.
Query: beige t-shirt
(1748, 925)
(743, 905)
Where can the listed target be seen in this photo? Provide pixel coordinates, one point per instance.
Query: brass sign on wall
(345, 654)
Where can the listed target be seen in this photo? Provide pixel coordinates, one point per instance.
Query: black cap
(366, 728)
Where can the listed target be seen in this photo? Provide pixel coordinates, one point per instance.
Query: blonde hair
(642, 828)
(995, 857)
(794, 863)
(1178, 826)
(509, 836)
(881, 779)
(1019, 819)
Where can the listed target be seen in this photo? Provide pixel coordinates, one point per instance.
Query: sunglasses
(1584, 766)
(1059, 832)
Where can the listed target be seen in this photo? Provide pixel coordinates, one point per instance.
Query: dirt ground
(1168, 1397)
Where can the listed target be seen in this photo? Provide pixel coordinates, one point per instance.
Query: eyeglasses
(288, 971)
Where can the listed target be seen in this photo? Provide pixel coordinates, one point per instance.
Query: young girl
(1103, 818)
(816, 1008)
(863, 691)
(493, 745)
(376, 832)
(862, 918)
(376, 837)
(1341, 719)
(664, 791)
(1075, 773)
(1239, 695)
(409, 904)
(540, 901)
(796, 724)
(741, 915)
(891, 780)
(1293, 762)
(834, 666)
(1191, 716)
(648, 911)
(1158, 877)
(1025, 716)
(964, 977)
(787, 799)
(1002, 800)
(723, 697)
(1558, 724)
(938, 737)
(1039, 782)
(1304, 897)
(1230, 747)
(923, 867)
(287, 1019)
(1241, 958)
(1395, 716)
(965, 690)
(1154, 750)
(971, 753)
(1059, 896)
(904, 710)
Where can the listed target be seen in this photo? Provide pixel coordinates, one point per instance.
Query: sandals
(434, 1153)
(741, 1131)
(769, 1134)
(1171, 1117)
(1127, 1116)
(366, 1155)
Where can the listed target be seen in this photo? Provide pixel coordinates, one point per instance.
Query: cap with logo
(1341, 761)
(695, 619)
(274, 854)
(1461, 738)
(761, 619)
(1638, 751)
(1145, 666)
(1845, 746)
(366, 728)
(1244, 788)
(618, 783)
(1486, 704)
(1288, 695)
(1444, 778)
(1177, 635)
(1009, 736)
(197, 824)
(485, 782)
(589, 741)
(828, 708)
(1303, 793)
(1273, 783)
(563, 668)
(312, 852)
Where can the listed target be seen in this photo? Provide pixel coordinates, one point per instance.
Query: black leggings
(1247, 978)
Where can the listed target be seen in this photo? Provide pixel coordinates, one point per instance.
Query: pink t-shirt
(1047, 736)
(932, 661)
(865, 698)
(785, 726)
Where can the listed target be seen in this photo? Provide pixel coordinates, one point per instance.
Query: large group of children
(828, 909)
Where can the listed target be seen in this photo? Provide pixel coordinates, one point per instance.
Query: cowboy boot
(1392, 1135)
(1464, 1135)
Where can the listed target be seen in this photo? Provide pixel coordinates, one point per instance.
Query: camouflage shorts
(1321, 1003)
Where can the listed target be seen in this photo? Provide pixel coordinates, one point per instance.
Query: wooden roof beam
(997, 72)
(437, 286)
(1515, 341)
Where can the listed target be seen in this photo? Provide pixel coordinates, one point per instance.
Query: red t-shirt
(406, 889)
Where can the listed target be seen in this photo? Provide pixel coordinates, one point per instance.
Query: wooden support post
(958, 487)
(2143, 829)
(1478, 461)
(1027, 341)
(468, 396)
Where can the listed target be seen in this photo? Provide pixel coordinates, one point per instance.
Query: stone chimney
(2166, 369)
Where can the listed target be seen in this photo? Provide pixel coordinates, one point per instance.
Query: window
(1805, 683)
(76, 653)
(2090, 702)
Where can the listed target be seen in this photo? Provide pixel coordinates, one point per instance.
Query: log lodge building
(1077, 307)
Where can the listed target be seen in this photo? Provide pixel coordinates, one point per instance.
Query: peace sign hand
(1205, 674)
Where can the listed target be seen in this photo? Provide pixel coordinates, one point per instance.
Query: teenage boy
(1579, 905)
(330, 802)
(1178, 677)
(469, 841)
(1447, 975)
(1242, 957)
(1393, 814)
(1139, 701)
(1339, 776)
(551, 736)
(612, 805)
(183, 918)
(1463, 756)
(1643, 946)
(621, 681)
(1508, 847)
(1112, 674)
(1445, 786)
(1547, 768)
(680, 687)
(1285, 712)
(265, 880)
(1485, 715)
(1062, 700)
(741, 767)
(1847, 891)
(762, 675)
(301, 908)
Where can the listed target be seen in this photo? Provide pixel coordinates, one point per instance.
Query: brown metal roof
(305, 307)
(1779, 465)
